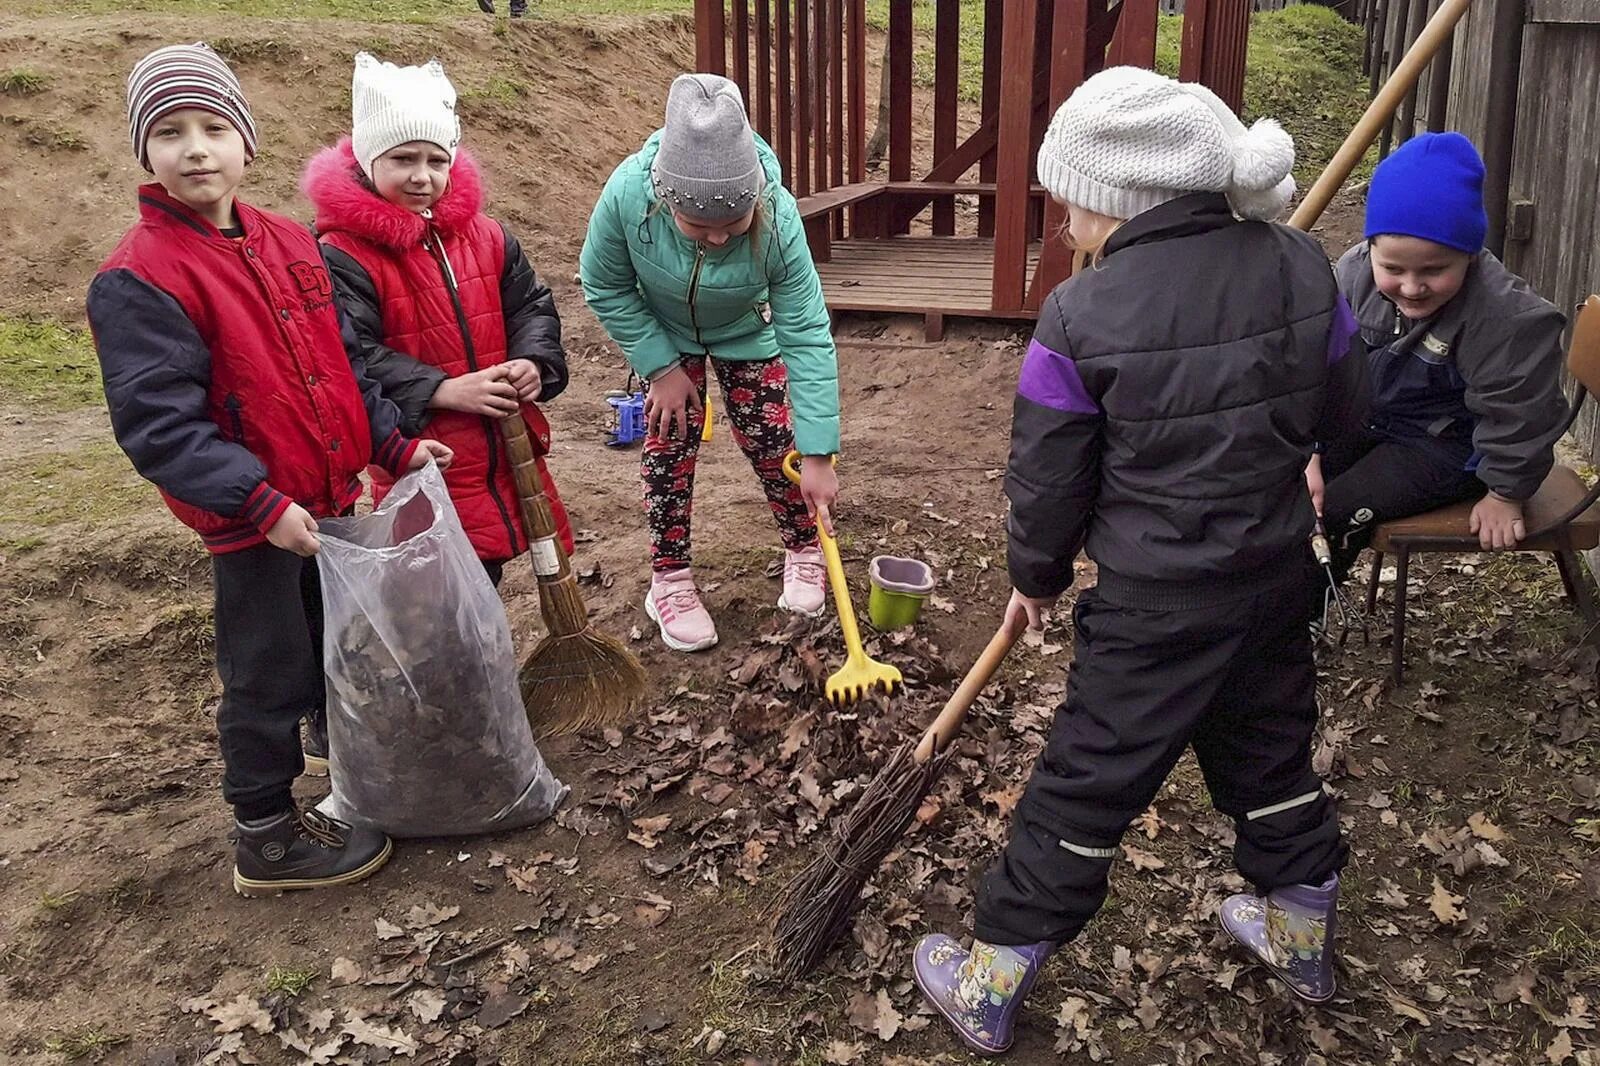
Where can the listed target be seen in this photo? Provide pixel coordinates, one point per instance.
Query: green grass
(1304, 69)
(79, 1044)
(93, 485)
(42, 363)
(288, 981)
(22, 83)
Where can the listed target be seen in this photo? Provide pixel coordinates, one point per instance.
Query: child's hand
(1315, 483)
(295, 531)
(819, 487)
(668, 403)
(483, 392)
(523, 375)
(1498, 522)
(1027, 609)
(430, 449)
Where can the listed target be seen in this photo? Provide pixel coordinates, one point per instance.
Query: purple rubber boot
(1291, 930)
(978, 990)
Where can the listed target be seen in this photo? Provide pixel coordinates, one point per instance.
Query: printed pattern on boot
(314, 746)
(978, 991)
(1292, 931)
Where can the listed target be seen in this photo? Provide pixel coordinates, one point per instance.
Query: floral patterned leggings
(756, 398)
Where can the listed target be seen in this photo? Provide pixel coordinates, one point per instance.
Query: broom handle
(559, 600)
(1379, 112)
(949, 722)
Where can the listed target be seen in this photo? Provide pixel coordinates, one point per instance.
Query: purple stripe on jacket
(1341, 331)
(1051, 379)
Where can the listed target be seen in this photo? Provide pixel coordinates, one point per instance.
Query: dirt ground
(630, 928)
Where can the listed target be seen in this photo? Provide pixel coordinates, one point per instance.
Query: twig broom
(576, 677)
(817, 905)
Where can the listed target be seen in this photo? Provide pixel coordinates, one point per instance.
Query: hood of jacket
(334, 184)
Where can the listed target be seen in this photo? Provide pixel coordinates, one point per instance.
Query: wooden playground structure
(803, 68)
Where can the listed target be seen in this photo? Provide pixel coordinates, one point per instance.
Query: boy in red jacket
(235, 387)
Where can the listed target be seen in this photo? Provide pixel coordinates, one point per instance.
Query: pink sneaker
(805, 578)
(673, 604)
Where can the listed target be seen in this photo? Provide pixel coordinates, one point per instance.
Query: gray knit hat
(1129, 139)
(707, 165)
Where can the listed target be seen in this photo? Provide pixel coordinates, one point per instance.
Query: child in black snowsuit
(1465, 361)
(1166, 409)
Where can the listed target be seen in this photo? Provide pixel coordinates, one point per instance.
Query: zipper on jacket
(233, 407)
(435, 247)
(694, 289)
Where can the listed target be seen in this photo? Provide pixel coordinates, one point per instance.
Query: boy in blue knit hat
(1464, 359)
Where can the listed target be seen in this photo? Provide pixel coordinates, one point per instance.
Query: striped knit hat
(179, 76)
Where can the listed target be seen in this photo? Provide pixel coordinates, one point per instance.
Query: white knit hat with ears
(391, 106)
(1129, 139)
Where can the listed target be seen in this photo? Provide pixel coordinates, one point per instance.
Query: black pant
(269, 656)
(1370, 480)
(1237, 682)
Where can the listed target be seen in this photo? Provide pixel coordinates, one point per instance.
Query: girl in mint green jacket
(696, 252)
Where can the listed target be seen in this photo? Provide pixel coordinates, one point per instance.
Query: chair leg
(1577, 585)
(1402, 564)
(1372, 583)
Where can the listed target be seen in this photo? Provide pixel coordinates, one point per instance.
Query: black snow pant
(1234, 680)
(1371, 480)
(269, 655)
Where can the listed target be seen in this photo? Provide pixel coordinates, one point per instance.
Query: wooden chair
(1561, 518)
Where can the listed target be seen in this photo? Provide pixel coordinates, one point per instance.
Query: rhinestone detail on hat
(685, 199)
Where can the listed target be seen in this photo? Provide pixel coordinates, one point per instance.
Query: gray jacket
(1482, 376)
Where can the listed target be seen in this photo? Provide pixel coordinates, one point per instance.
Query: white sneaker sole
(822, 609)
(667, 639)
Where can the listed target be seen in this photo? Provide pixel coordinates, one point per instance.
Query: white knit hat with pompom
(1129, 139)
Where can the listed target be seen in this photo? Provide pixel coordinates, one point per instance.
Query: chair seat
(1562, 490)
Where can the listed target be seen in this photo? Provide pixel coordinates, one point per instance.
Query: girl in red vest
(457, 329)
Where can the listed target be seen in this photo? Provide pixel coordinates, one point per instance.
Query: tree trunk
(878, 143)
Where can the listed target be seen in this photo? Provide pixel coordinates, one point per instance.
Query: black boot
(304, 849)
(519, 8)
(315, 744)
(486, 6)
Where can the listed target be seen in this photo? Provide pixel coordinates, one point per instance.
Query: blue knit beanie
(1431, 187)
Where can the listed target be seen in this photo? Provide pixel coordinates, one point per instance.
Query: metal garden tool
(859, 674)
(1333, 598)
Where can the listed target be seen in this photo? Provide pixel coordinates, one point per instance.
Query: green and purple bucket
(899, 588)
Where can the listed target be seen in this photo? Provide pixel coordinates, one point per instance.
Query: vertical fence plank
(741, 48)
(946, 90)
(993, 25)
(1070, 65)
(1135, 42)
(710, 37)
(836, 102)
(802, 97)
(785, 122)
(763, 101)
(821, 62)
(900, 45)
(856, 30)
(1013, 162)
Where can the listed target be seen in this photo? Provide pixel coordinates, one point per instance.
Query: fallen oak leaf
(523, 880)
(1484, 829)
(842, 1053)
(240, 1013)
(347, 971)
(1407, 1009)
(387, 930)
(1560, 1049)
(1142, 860)
(381, 1037)
(428, 915)
(427, 1004)
(1446, 905)
(586, 963)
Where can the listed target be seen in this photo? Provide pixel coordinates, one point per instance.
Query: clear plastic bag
(427, 734)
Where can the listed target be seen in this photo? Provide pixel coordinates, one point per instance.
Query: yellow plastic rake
(860, 674)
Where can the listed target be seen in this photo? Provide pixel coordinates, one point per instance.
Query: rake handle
(559, 600)
(1379, 112)
(944, 728)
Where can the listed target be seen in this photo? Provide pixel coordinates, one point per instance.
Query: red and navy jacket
(232, 380)
(437, 297)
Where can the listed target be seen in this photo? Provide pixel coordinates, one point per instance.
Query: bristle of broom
(818, 904)
(583, 681)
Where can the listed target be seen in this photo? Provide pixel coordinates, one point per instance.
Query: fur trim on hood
(334, 184)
